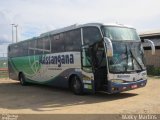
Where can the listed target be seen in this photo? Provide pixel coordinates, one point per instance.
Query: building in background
(152, 61)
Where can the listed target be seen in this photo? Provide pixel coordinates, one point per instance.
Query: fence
(153, 62)
(3, 72)
(3, 65)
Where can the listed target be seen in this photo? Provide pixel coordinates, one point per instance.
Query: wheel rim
(21, 79)
(76, 84)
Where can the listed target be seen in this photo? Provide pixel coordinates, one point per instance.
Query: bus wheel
(76, 86)
(22, 79)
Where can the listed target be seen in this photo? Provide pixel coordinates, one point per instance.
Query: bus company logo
(58, 59)
(123, 76)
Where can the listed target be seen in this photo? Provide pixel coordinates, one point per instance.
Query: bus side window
(52, 43)
(31, 48)
(15, 50)
(10, 50)
(46, 45)
(86, 60)
(73, 40)
(39, 46)
(24, 48)
(61, 42)
(91, 35)
(57, 43)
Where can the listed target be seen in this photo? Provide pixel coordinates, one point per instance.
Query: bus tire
(76, 85)
(22, 79)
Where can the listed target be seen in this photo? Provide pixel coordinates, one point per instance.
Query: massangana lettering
(57, 59)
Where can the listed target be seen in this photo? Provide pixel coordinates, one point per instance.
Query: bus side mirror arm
(151, 43)
(108, 47)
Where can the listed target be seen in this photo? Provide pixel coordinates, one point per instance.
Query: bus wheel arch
(75, 84)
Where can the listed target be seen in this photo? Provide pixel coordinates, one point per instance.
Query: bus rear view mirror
(151, 44)
(108, 46)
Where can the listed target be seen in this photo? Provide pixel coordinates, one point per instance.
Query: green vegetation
(151, 70)
(3, 63)
(3, 68)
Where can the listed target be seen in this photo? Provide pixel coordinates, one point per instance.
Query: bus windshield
(120, 33)
(127, 57)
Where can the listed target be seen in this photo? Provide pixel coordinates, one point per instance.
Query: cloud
(4, 28)
(4, 40)
(3, 50)
(35, 17)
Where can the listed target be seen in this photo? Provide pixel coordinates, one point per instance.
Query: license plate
(134, 86)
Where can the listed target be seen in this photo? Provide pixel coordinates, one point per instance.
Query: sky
(38, 16)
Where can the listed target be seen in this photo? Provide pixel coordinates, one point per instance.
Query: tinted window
(46, 44)
(67, 41)
(57, 43)
(39, 46)
(23, 49)
(11, 51)
(73, 40)
(32, 47)
(15, 50)
(52, 42)
(91, 35)
(18, 50)
(120, 33)
(39, 43)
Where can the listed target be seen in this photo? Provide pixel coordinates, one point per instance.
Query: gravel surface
(38, 99)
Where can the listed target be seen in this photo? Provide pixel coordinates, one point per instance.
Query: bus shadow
(45, 98)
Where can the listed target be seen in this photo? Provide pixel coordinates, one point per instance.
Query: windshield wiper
(136, 59)
(127, 57)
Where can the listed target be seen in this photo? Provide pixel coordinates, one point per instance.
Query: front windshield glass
(127, 57)
(120, 33)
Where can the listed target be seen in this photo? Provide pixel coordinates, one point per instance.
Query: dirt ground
(38, 99)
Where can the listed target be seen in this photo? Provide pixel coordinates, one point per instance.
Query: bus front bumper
(120, 87)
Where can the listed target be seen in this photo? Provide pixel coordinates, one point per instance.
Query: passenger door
(91, 35)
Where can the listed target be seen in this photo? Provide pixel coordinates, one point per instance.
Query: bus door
(87, 68)
(99, 64)
(94, 61)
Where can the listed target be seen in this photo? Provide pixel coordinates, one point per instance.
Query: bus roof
(75, 26)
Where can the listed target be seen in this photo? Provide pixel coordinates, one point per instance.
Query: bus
(88, 58)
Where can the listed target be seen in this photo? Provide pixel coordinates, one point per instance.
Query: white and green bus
(85, 58)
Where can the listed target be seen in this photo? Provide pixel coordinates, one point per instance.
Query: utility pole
(12, 33)
(16, 26)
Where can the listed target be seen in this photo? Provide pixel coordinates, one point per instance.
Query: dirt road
(17, 99)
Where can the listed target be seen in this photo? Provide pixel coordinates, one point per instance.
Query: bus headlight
(117, 81)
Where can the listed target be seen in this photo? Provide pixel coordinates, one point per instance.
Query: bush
(151, 70)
